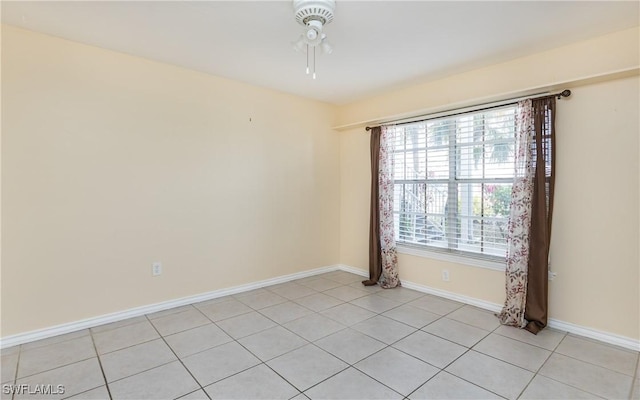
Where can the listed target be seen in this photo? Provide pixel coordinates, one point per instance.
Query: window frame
(449, 253)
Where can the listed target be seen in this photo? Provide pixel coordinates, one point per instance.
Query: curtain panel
(375, 263)
(389, 258)
(529, 226)
(383, 259)
(519, 220)
(536, 310)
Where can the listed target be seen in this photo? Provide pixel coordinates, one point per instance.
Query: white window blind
(452, 182)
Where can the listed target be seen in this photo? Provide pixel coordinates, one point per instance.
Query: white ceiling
(378, 45)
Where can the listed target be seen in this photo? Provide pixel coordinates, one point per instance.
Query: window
(452, 182)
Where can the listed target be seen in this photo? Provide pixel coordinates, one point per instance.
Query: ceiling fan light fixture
(326, 47)
(300, 45)
(312, 34)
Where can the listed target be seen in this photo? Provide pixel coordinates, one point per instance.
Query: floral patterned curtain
(529, 227)
(389, 274)
(519, 220)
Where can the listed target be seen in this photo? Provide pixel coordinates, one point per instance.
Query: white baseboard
(486, 305)
(31, 336)
(352, 270)
(579, 330)
(591, 333)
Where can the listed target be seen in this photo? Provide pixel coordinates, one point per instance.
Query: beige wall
(111, 162)
(595, 243)
(596, 223)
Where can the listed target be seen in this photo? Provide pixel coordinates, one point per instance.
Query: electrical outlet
(156, 268)
(445, 275)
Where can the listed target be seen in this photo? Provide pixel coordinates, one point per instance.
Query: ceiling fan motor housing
(314, 10)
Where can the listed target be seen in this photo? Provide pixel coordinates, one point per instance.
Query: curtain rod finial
(368, 128)
(564, 93)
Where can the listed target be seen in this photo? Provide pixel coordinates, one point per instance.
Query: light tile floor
(324, 337)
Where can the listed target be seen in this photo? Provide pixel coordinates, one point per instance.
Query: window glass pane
(499, 151)
(438, 163)
(398, 165)
(406, 227)
(438, 133)
(415, 164)
(396, 225)
(497, 198)
(469, 164)
(494, 236)
(414, 198)
(460, 204)
(397, 196)
(434, 231)
(415, 136)
(437, 198)
(499, 160)
(466, 132)
(470, 211)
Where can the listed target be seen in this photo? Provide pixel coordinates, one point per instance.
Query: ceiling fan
(313, 15)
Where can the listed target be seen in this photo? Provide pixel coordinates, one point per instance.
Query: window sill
(454, 258)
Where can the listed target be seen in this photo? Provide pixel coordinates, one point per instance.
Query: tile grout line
(592, 364)
(104, 376)
(440, 370)
(566, 383)
(589, 363)
(232, 340)
(250, 352)
(15, 375)
(535, 373)
(308, 343)
(530, 344)
(260, 311)
(601, 343)
(254, 355)
(459, 377)
(559, 342)
(462, 355)
(411, 355)
(178, 358)
(127, 347)
(635, 378)
(54, 368)
(54, 343)
(190, 393)
(348, 365)
(353, 366)
(283, 378)
(172, 314)
(115, 322)
(143, 371)
(154, 339)
(509, 362)
(390, 346)
(268, 366)
(570, 385)
(312, 313)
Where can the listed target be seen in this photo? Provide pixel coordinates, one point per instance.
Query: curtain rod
(494, 104)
